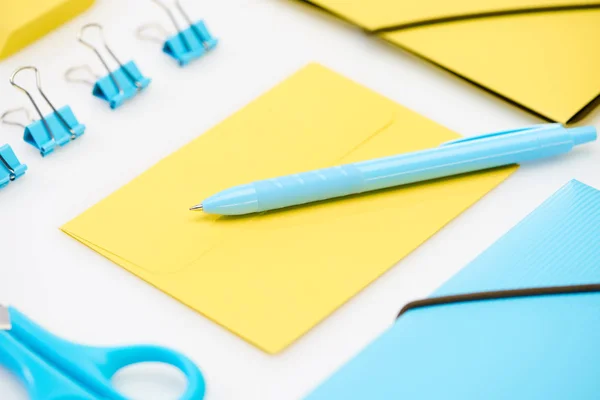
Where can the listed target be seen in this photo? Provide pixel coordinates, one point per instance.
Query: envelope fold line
(491, 14)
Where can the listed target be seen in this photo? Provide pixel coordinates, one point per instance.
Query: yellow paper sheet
(544, 61)
(271, 277)
(540, 55)
(24, 21)
(379, 14)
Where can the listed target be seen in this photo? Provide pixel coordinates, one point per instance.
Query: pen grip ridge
(309, 186)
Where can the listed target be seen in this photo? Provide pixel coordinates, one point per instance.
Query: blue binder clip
(10, 167)
(55, 129)
(117, 86)
(187, 44)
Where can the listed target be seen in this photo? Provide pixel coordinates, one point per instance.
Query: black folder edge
(499, 294)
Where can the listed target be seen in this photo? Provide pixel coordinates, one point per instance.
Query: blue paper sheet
(538, 348)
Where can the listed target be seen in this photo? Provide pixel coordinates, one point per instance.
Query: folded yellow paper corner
(538, 54)
(542, 61)
(271, 277)
(376, 15)
(24, 21)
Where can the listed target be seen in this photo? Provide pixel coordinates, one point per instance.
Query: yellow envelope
(537, 54)
(24, 21)
(271, 277)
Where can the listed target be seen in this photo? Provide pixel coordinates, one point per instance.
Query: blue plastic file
(129, 81)
(10, 166)
(190, 44)
(536, 348)
(56, 129)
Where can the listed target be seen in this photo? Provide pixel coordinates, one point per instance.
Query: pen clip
(539, 127)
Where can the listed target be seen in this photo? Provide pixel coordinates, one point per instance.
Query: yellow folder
(537, 54)
(271, 277)
(24, 21)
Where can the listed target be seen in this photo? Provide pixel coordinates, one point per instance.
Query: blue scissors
(52, 368)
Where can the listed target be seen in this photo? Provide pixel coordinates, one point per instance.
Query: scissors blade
(5, 324)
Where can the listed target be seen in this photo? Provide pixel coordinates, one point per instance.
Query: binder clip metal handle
(179, 7)
(187, 44)
(71, 75)
(143, 32)
(89, 45)
(56, 128)
(10, 167)
(118, 85)
(38, 83)
(5, 120)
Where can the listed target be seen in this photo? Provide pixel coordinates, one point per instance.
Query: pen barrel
(462, 157)
(308, 187)
(452, 158)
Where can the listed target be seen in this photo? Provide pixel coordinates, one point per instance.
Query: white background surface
(79, 295)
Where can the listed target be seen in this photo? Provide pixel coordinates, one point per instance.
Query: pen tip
(197, 208)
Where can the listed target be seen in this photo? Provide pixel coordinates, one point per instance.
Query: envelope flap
(379, 14)
(309, 121)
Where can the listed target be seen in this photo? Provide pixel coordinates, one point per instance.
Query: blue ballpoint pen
(452, 158)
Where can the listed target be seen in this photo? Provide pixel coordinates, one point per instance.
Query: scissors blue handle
(52, 368)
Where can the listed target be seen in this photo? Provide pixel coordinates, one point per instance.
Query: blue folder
(533, 348)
